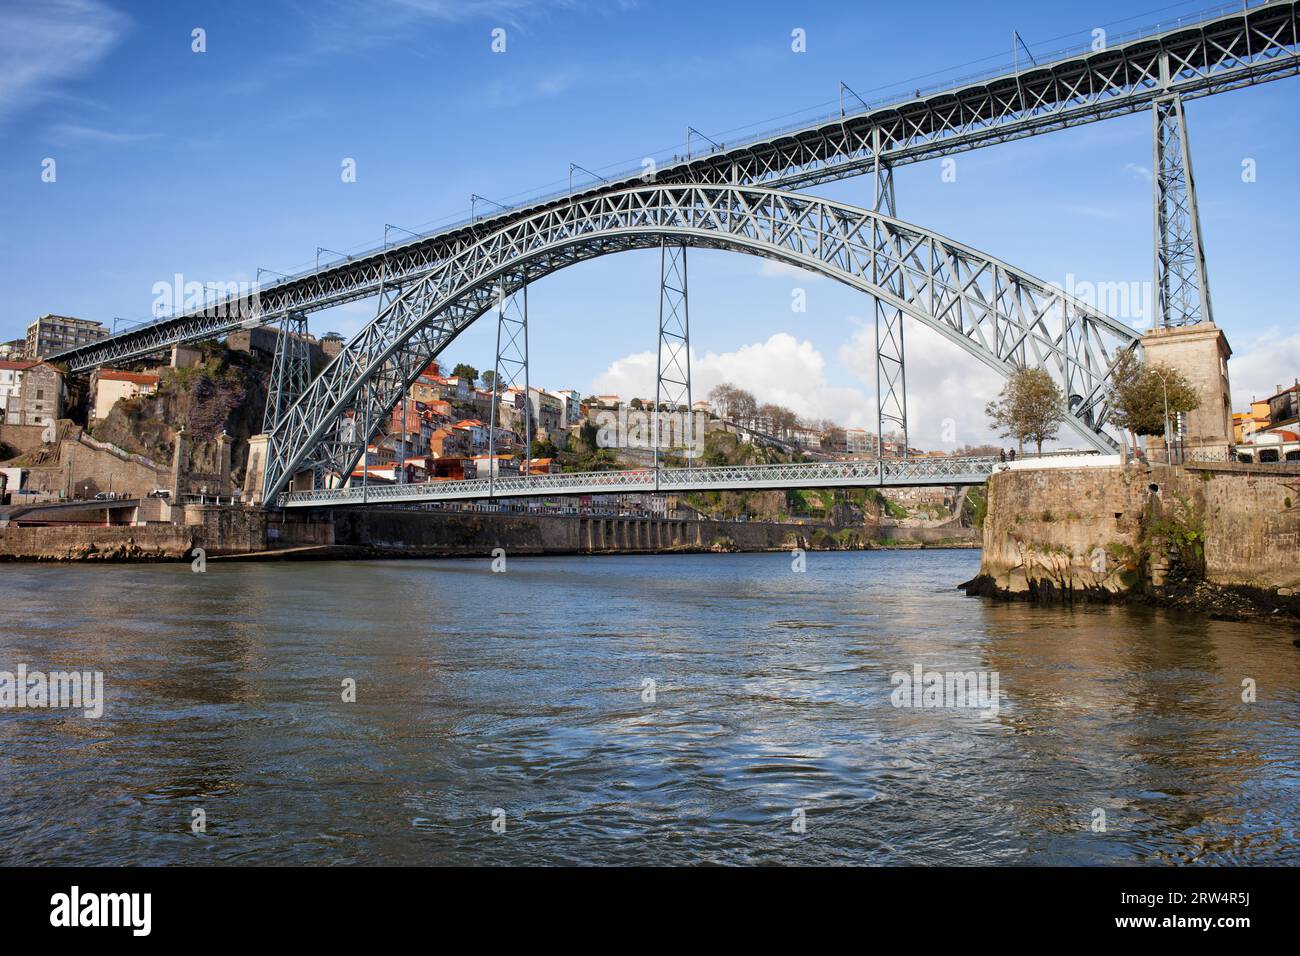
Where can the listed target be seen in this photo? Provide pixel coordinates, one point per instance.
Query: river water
(633, 709)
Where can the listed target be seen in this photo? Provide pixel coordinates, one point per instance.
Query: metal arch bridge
(1251, 44)
(866, 473)
(1003, 316)
(432, 286)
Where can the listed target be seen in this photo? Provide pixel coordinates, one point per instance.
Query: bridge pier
(673, 376)
(1200, 352)
(891, 370)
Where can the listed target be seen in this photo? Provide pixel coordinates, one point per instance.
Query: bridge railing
(869, 472)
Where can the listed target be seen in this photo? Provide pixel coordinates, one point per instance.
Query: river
(668, 709)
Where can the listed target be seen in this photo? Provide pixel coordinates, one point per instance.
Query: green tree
(1139, 392)
(463, 370)
(490, 380)
(1031, 407)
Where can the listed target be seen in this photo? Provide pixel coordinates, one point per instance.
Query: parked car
(160, 493)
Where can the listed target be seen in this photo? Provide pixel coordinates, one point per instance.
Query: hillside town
(177, 428)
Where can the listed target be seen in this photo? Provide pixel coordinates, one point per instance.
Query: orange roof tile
(119, 375)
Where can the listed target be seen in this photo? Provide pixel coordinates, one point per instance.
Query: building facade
(109, 385)
(32, 393)
(548, 411)
(571, 405)
(55, 333)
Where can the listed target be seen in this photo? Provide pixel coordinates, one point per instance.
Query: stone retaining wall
(1085, 529)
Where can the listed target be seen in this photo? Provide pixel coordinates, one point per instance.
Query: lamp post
(1164, 388)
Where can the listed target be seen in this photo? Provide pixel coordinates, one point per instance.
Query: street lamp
(1164, 388)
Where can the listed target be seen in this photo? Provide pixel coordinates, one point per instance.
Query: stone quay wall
(1107, 530)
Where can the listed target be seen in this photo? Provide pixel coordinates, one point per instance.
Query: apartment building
(54, 333)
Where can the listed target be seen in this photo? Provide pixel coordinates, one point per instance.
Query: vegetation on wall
(1178, 530)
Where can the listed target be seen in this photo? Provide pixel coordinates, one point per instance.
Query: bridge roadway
(1248, 44)
(864, 473)
(56, 512)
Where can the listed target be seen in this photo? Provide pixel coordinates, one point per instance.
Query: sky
(215, 164)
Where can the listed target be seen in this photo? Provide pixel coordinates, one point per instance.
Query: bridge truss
(1003, 316)
(1252, 45)
(836, 474)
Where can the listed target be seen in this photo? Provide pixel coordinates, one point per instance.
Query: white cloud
(1139, 171)
(72, 133)
(783, 370)
(1256, 371)
(944, 382)
(42, 45)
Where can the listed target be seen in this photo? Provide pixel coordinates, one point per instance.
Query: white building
(859, 441)
(11, 384)
(571, 401)
(110, 385)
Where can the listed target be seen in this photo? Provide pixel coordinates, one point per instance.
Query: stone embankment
(389, 532)
(1216, 540)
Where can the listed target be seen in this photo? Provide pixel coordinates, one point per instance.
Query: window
(1268, 454)
(40, 394)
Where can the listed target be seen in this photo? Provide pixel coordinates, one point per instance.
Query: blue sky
(215, 164)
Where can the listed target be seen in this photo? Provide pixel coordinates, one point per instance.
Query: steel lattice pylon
(673, 379)
(1182, 285)
(891, 370)
(511, 365)
(349, 436)
(291, 370)
(999, 314)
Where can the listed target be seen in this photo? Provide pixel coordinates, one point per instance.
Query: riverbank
(1214, 601)
(1217, 543)
(348, 534)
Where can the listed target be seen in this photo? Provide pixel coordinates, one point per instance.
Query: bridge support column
(255, 469)
(1200, 353)
(891, 376)
(1182, 285)
(290, 376)
(291, 370)
(673, 379)
(511, 365)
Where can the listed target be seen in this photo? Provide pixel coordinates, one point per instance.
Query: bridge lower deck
(870, 473)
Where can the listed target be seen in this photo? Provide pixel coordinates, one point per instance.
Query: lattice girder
(1002, 315)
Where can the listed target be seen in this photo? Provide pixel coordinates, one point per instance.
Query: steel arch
(1255, 42)
(1000, 314)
